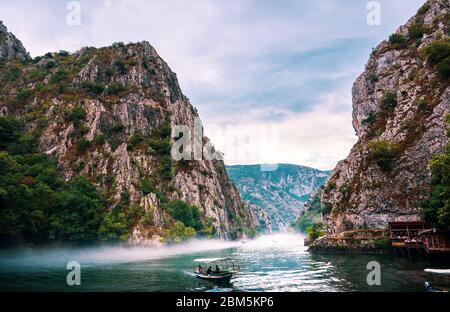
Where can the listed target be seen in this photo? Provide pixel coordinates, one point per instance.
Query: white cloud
(246, 61)
(317, 138)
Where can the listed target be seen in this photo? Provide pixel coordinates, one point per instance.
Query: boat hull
(215, 277)
(438, 280)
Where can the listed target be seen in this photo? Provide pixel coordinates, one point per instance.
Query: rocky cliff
(399, 105)
(10, 47)
(277, 197)
(107, 114)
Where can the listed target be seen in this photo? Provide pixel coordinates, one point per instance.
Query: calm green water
(270, 263)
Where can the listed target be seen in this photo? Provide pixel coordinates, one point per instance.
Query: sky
(271, 79)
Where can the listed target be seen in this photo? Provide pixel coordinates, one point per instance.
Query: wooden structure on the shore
(411, 236)
(436, 241)
(405, 234)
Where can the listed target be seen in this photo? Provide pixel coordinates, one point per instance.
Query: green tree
(35, 202)
(10, 131)
(188, 214)
(78, 212)
(178, 232)
(436, 210)
(114, 227)
(315, 231)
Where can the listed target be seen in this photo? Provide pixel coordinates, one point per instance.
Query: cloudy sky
(285, 66)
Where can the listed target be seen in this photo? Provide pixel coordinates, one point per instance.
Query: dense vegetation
(37, 205)
(315, 231)
(311, 216)
(189, 215)
(436, 210)
(55, 86)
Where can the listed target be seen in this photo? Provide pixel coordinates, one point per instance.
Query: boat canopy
(437, 271)
(211, 260)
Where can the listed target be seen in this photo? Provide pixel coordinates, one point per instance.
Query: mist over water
(277, 262)
(55, 256)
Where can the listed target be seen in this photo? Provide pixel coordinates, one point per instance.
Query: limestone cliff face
(401, 101)
(105, 114)
(10, 47)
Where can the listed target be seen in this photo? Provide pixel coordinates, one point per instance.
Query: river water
(276, 262)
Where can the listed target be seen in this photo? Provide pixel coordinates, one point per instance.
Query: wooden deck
(413, 236)
(436, 241)
(406, 234)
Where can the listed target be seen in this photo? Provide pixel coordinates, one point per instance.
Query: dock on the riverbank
(406, 238)
(409, 237)
(436, 241)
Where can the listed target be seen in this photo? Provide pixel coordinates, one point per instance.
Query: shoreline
(373, 241)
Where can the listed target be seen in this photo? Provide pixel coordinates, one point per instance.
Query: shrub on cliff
(59, 76)
(160, 147)
(370, 120)
(315, 231)
(134, 140)
(438, 54)
(437, 51)
(416, 31)
(93, 88)
(397, 41)
(443, 68)
(116, 88)
(76, 115)
(423, 9)
(83, 144)
(147, 186)
(383, 154)
(388, 102)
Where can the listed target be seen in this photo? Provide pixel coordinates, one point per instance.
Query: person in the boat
(200, 269)
(209, 271)
(217, 269)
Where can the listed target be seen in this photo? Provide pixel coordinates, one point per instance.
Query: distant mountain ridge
(276, 198)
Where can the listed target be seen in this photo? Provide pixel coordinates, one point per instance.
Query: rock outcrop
(107, 114)
(10, 47)
(399, 106)
(357, 241)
